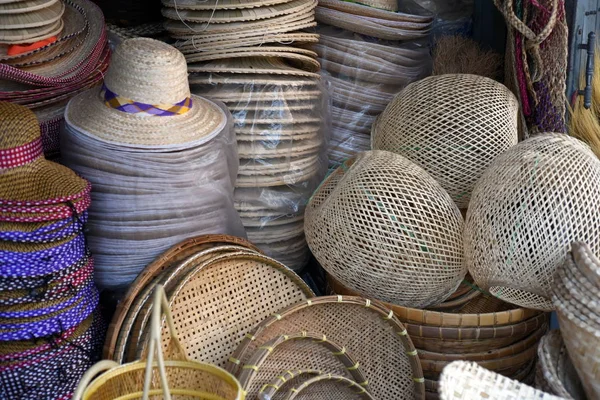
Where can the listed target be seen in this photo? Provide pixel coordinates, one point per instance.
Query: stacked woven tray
(575, 296)
(494, 334)
(277, 339)
(368, 53)
(253, 56)
(50, 331)
(45, 74)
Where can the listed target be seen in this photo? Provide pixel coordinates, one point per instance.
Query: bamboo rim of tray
(436, 318)
(297, 391)
(166, 259)
(250, 370)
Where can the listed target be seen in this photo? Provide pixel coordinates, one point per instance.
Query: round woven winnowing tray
(257, 65)
(296, 58)
(240, 15)
(165, 261)
(291, 177)
(280, 221)
(135, 324)
(367, 62)
(475, 318)
(40, 17)
(279, 387)
(17, 36)
(328, 386)
(220, 300)
(365, 26)
(282, 149)
(368, 330)
(201, 45)
(214, 54)
(24, 6)
(272, 234)
(247, 82)
(402, 56)
(299, 351)
(275, 166)
(283, 23)
(359, 9)
(220, 4)
(357, 73)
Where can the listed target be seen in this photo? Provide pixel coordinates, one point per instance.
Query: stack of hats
(575, 296)
(369, 53)
(251, 55)
(50, 332)
(239, 309)
(162, 162)
(43, 74)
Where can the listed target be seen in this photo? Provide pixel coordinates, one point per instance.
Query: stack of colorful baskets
(44, 76)
(485, 330)
(50, 331)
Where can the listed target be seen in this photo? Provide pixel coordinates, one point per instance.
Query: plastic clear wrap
(363, 75)
(280, 125)
(145, 201)
(452, 16)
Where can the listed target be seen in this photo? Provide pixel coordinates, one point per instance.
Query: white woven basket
(526, 210)
(384, 228)
(462, 380)
(451, 125)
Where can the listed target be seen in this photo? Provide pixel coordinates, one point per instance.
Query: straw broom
(584, 123)
(460, 55)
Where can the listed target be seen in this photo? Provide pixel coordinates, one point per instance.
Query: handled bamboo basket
(174, 377)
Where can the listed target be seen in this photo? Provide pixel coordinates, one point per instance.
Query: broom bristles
(584, 123)
(460, 55)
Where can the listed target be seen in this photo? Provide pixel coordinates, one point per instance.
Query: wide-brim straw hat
(71, 67)
(70, 37)
(27, 178)
(22, 35)
(240, 15)
(199, 45)
(146, 78)
(30, 14)
(260, 65)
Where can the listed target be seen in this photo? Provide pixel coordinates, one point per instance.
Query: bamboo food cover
(525, 211)
(451, 125)
(387, 230)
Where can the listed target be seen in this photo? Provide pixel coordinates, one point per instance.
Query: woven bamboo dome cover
(527, 208)
(467, 381)
(451, 125)
(385, 228)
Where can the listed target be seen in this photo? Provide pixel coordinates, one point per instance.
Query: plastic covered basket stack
(286, 343)
(50, 331)
(69, 54)
(252, 56)
(162, 162)
(369, 52)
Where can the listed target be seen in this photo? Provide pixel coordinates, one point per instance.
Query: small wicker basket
(175, 377)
